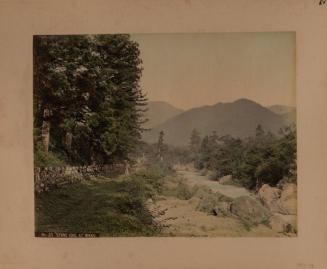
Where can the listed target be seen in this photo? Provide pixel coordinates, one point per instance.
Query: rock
(150, 201)
(282, 200)
(249, 210)
(209, 203)
(222, 209)
(283, 223)
(287, 202)
(269, 196)
(226, 180)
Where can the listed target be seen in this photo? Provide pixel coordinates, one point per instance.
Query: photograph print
(165, 135)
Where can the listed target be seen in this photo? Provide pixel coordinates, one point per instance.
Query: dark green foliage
(90, 84)
(269, 159)
(264, 159)
(195, 142)
(160, 146)
(42, 160)
(152, 179)
(209, 150)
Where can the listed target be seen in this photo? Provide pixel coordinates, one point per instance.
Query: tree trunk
(92, 157)
(257, 185)
(46, 130)
(127, 168)
(68, 140)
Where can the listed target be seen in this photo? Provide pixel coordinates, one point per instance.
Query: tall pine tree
(87, 100)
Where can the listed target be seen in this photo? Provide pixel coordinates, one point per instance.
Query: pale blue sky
(189, 70)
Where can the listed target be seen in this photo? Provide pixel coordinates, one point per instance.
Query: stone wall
(46, 178)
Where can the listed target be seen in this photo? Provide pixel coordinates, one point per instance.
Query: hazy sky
(189, 70)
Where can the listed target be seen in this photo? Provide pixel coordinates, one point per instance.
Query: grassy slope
(107, 207)
(118, 208)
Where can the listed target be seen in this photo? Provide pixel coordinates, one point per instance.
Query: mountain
(239, 119)
(288, 113)
(280, 109)
(159, 112)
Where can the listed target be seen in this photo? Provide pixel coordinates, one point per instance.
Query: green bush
(42, 159)
(263, 159)
(151, 179)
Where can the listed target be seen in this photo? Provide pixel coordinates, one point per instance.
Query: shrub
(263, 159)
(42, 159)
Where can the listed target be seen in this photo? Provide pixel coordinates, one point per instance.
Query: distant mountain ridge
(288, 113)
(281, 109)
(159, 112)
(238, 119)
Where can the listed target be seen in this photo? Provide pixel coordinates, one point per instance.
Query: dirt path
(194, 178)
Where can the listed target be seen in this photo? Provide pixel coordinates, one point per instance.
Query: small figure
(127, 166)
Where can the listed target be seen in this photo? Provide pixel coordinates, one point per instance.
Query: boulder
(269, 196)
(209, 203)
(226, 180)
(278, 200)
(250, 210)
(287, 202)
(222, 209)
(283, 223)
(149, 201)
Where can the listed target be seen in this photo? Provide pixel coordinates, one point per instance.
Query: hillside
(280, 109)
(288, 113)
(158, 112)
(239, 119)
